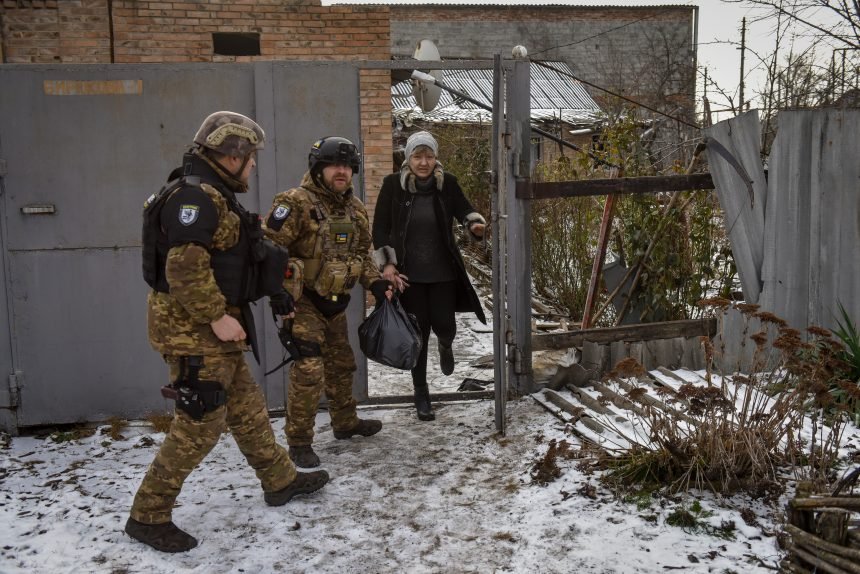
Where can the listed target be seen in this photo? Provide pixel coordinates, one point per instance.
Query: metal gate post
(497, 221)
(8, 375)
(518, 273)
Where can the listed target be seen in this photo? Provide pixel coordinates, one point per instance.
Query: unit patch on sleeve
(188, 213)
(281, 212)
(278, 216)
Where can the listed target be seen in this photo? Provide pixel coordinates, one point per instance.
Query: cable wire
(598, 34)
(617, 95)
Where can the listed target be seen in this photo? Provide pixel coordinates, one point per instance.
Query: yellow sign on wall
(93, 87)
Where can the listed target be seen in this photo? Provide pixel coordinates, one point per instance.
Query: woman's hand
(389, 273)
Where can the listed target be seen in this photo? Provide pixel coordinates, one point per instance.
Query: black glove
(282, 303)
(379, 288)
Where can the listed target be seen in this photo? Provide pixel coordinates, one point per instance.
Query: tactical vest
(250, 269)
(334, 267)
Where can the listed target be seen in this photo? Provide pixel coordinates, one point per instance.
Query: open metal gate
(81, 147)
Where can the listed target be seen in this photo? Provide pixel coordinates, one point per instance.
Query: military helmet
(333, 150)
(230, 134)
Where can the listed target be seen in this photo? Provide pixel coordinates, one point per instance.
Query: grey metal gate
(81, 147)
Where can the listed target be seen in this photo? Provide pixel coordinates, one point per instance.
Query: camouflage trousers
(332, 371)
(189, 441)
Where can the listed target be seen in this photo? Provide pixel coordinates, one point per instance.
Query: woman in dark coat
(415, 250)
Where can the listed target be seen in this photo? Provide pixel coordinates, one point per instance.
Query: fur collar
(408, 178)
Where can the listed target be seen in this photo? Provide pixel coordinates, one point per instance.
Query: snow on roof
(552, 94)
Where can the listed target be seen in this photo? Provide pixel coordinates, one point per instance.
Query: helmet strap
(242, 167)
(233, 182)
(316, 176)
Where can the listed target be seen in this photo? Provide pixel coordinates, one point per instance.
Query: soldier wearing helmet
(327, 232)
(199, 247)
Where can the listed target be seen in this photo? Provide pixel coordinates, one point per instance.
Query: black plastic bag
(391, 336)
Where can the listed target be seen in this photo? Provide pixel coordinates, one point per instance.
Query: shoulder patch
(188, 213)
(281, 212)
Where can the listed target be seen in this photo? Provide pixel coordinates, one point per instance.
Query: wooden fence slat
(621, 185)
(641, 332)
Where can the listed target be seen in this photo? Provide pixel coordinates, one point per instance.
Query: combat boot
(304, 456)
(365, 427)
(304, 483)
(446, 359)
(422, 403)
(165, 537)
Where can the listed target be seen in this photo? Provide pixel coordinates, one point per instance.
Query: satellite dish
(426, 94)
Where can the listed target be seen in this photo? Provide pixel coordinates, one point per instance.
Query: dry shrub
(115, 427)
(160, 421)
(545, 469)
(743, 433)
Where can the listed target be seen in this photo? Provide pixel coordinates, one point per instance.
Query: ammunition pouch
(193, 396)
(294, 278)
(336, 276)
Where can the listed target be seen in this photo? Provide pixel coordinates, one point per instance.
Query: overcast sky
(718, 22)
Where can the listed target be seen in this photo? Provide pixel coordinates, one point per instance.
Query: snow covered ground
(450, 496)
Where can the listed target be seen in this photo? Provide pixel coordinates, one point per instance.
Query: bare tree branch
(851, 19)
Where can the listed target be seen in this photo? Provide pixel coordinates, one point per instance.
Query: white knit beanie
(418, 139)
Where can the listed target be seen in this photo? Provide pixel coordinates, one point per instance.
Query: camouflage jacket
(178, 322)
(298, 229)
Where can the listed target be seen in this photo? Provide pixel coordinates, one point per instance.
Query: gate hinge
(9, 397)
(517, 360)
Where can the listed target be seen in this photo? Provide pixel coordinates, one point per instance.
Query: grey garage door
(81, 148)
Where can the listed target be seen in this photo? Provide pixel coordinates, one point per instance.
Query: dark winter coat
(391, 220)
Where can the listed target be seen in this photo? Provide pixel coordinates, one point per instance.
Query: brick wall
(55, 31)
(182, 31)
(78, 31)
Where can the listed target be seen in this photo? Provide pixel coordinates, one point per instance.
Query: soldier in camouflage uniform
(201, 243)
(327, 231)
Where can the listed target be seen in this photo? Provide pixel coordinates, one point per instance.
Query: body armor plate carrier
(334, 268)
(251, 269)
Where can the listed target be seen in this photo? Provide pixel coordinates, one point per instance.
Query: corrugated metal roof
(553, 95)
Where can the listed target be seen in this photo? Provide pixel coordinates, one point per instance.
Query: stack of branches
(822, 537)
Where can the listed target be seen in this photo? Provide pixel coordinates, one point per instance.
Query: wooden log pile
(824, 531)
